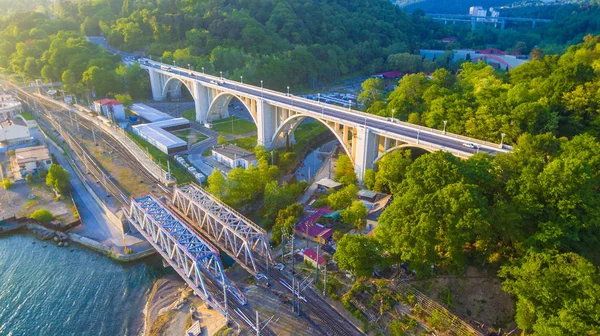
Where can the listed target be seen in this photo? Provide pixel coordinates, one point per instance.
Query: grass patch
(197, 136)
(181, 174)
(240, 126)
(27, 116)
(29, 204)
(247, 143)
(189, 115)
(307, 131)
(161, 322)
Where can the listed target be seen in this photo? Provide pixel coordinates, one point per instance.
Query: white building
(494, 15)
(478, 11)
(233, 156)
(9, 106)
(14, 133)
(110, 108)
(158, 134)
(30, 160)
(148, 113)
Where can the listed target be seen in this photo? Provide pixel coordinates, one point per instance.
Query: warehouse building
(14, 133)
(148, 113)
(157, 134)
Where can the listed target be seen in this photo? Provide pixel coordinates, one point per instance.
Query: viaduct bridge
(364, 137)
(474, 19)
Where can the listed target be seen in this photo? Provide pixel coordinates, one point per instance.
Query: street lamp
(288, 90)
(445, 122)
(319, 98)
(241, 79)
(393, 112)
(221, 74)
(202, 70)
(261, 88)
(173, 62)
(350, 105)
(502, 140)
(189, 67)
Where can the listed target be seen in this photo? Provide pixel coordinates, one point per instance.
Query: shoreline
(43, 233)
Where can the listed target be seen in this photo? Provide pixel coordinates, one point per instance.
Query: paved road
(435, 138)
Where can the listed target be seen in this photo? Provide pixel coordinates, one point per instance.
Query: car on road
(469, 145)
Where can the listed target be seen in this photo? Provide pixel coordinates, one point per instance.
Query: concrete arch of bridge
(403, 146)
(296, 120)
(173, 84)
(218, 107)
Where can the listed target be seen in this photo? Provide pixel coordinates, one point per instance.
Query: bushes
(6, 184)
(42, 215)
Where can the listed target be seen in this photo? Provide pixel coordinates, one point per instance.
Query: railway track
(332, 322)
(71, 125)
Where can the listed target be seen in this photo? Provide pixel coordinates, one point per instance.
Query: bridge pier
(366, 148)
(157, 82)
(266, 124)
(201, 102)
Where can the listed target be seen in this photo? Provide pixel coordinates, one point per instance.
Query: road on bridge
(450, 142)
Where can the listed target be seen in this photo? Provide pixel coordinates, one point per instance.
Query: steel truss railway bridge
(364, 137)
(238, 236)
(196, 261)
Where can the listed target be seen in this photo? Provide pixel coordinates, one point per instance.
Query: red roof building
(309, 229)
(449, 39)
(311, 256)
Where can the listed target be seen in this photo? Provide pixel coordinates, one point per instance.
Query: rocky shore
(172, 308)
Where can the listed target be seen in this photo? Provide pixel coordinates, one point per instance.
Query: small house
(312, 258)
(233, 156)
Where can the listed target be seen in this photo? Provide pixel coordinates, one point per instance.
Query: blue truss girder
(234, 233)
(191, 256)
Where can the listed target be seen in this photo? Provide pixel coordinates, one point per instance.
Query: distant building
(492, 56)
(312, 258)
(449, 39)
(14, 133)
(494, 15)
(158, 134)
(233, 156)
(478, 11)
(110, 108)
(9, 106)
(30, 160)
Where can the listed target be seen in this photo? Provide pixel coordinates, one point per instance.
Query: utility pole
(325, 280)
(94, 134)
(257, 325)
(317, 269)
(283, 248)
(293, 294)
(293, 270)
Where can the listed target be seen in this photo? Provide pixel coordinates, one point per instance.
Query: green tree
(370, 178)
(285, 222)
(343, 197)
(58, 179)
(358, 254)
(557, 294)
(355, 215)
(217, 184)
(6, 184)
(42, 215)
(372, 91)
(221, 140)
(391, 169)
(125, 99)
(344, 170)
